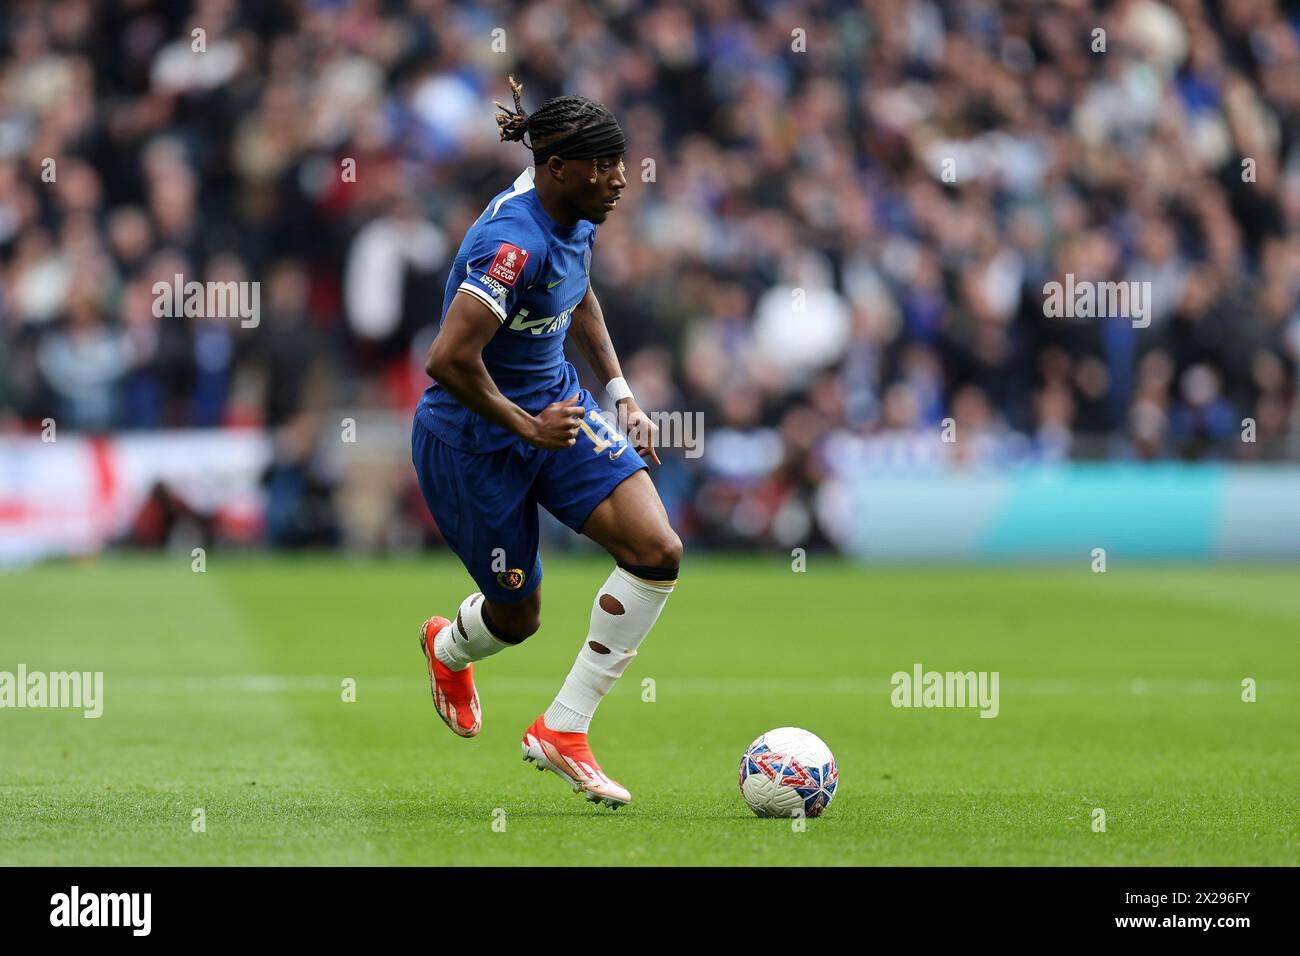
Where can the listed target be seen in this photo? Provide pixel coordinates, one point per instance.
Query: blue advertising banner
(1149, 511)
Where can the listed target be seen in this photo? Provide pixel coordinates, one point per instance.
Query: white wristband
(616, 388)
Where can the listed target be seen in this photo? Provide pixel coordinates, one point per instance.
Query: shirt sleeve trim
(491, 303)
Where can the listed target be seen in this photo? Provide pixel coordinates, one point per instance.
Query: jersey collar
(525, 184)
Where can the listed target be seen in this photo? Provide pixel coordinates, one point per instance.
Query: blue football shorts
(486, 504)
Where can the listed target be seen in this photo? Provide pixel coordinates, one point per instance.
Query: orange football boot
(454, 695)
(568, 755)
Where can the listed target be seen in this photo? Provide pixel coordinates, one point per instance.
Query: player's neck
(563, 213)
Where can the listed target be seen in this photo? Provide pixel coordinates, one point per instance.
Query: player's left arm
(587, 328)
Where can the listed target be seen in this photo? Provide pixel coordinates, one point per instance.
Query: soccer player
(505, 427)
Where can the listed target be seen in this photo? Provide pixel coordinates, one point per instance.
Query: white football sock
(625, 609)
(468, 639)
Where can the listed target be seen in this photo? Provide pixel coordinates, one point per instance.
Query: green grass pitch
(223, 691)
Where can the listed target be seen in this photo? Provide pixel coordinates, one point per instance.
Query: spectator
(848, 240)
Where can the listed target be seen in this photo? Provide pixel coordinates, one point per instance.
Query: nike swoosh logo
(552, 285)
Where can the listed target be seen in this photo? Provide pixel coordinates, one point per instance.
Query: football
(787, 770)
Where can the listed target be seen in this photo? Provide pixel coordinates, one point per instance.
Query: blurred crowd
(840, 220)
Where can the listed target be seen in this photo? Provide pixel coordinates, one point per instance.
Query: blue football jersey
(531, 272)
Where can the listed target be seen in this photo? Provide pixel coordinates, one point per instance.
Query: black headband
(600, 139)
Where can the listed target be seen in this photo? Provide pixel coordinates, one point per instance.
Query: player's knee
(524, 627)
(515, 623)
(672, 550)
(660, 550)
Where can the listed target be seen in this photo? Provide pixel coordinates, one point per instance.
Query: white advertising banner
(73, 495)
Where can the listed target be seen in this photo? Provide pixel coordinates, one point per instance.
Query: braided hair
(555, 122)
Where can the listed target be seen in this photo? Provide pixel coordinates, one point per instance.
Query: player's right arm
(455, 361)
